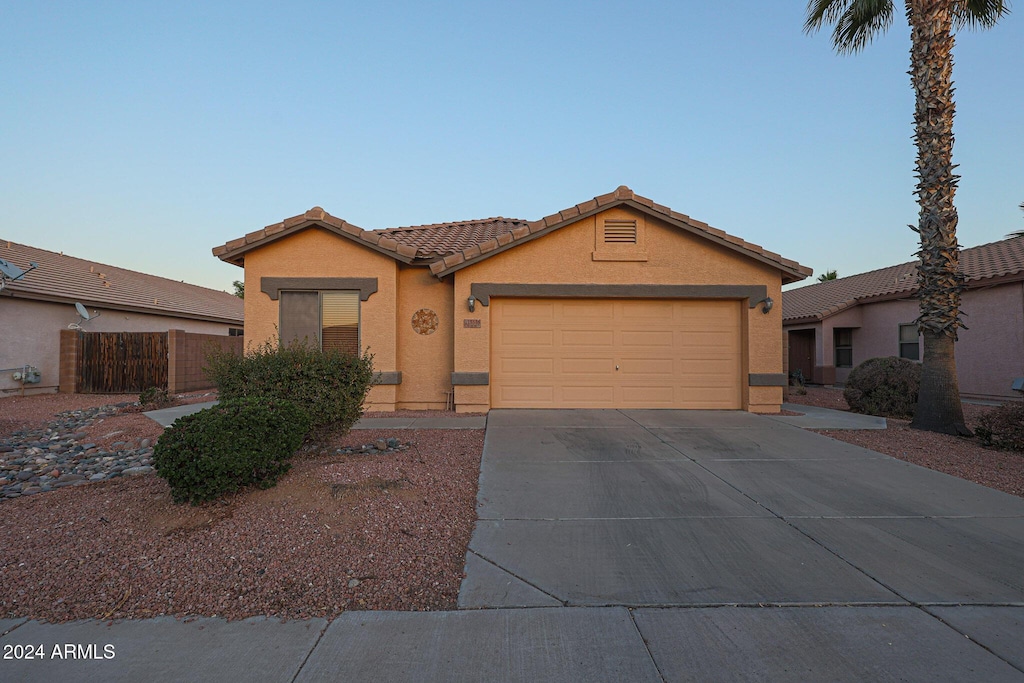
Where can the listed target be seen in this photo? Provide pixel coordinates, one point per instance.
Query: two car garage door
(616, 353)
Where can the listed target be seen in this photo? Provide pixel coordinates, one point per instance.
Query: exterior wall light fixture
(471, 302)
(768, 303)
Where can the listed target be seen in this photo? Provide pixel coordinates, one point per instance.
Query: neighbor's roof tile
(68, 279)
(978, 264)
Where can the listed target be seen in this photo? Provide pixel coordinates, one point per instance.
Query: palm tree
(855, 23)
(828, 275)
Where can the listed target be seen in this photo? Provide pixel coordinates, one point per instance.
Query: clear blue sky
(142, 134)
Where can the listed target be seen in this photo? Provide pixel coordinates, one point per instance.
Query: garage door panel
(535, 366)
(590, 367)
(648, 395)
(522, 396)
(527, 337)
(660, 367)
(647, 338)
(583, 309)
(669, 353)
(589, 396)
(586, 338)
(529, 309)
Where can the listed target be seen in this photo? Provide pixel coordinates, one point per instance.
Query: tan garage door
(615, 353)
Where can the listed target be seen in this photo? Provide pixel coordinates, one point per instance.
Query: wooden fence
(120, 362)
(129, 362)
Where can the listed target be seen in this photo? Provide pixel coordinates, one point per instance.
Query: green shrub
(233, 444)
(1003, 427)
(884, 386)
(154, 397)
(329, 385)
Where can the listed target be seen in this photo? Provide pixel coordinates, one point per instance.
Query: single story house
(833, 326)
(35, 309)
(617, 302)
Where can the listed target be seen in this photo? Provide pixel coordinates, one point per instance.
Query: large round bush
(234, 444)
(329, 385)
(884, 386)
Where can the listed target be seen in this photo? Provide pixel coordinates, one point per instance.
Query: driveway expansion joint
(517, 577)
(305, 659)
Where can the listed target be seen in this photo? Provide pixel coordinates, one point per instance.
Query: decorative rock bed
(60, 454)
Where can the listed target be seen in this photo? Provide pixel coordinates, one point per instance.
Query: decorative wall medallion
(424, 321)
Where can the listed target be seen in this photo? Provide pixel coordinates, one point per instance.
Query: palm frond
(855, 23)
(979, 14)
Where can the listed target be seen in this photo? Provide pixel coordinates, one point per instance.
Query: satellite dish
(83, 315)
(10, 272)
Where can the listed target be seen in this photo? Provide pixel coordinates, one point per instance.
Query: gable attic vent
(619, 231)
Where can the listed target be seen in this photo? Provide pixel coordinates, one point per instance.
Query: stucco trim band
(768, 379)
(272, 286)
(388, 377)
(483, 291)
(471, 379)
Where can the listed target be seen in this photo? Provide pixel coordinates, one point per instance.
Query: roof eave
(440, 269)
(236, 254)
(95, 303)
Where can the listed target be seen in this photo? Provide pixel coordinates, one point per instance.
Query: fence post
(176, 352)
(69, 362)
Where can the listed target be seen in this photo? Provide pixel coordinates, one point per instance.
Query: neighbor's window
(327, 320)
(909, 348)
(843, 338)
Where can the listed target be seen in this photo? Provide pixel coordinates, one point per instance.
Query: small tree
(239, 288)
(828, 275)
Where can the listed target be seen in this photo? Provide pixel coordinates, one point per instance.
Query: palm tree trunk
(939, 278)
(942, 412)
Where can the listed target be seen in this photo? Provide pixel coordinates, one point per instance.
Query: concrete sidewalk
(824, 418)
(167, 416)
(838, 643)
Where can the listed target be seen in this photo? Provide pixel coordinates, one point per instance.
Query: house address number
(471, 322)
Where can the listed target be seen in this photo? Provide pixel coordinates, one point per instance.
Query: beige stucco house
(834, 326)
(617, 302)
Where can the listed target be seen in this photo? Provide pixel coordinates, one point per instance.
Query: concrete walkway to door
(747, 547)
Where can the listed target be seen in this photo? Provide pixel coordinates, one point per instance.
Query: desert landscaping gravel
(362, 529)
(377, 519)
(959, 456)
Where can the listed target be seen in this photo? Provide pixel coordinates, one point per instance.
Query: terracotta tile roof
(68, 279)
(235, 250)
(791, 270)
(452, 246)
(981, 265)
(441, 239)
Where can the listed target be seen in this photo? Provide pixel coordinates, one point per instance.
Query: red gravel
(961, 457)
(340, 532)
(23, 412)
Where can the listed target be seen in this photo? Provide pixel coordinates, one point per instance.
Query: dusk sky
(142, 134)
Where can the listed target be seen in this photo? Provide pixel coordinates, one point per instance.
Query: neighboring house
(617, 302)
(34, 309)
(833, 326)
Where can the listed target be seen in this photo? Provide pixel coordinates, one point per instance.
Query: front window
(843, 339)
(326, 320)
(909, 348)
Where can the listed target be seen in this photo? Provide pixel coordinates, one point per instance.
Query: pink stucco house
(833, 326)
(35, 310)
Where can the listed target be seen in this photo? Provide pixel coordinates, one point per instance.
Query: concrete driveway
(810, 541)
